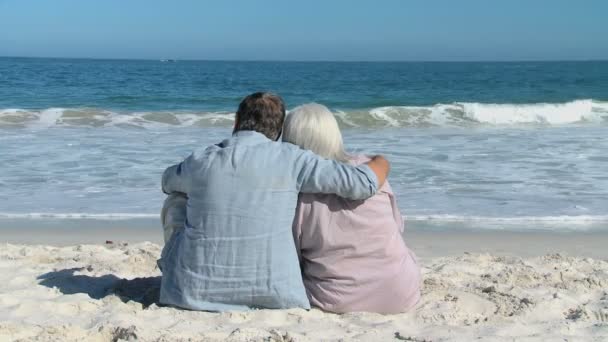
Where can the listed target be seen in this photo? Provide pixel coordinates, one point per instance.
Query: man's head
(261, 112)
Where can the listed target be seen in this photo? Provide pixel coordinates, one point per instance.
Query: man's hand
(381, 168)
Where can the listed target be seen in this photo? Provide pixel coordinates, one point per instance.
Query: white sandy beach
(108, 292)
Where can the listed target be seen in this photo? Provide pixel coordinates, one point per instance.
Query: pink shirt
(352, 254)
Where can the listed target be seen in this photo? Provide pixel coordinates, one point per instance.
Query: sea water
(519, 145)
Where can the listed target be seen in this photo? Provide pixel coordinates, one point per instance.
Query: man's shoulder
(289, 147)
(280, 151)
(284, 148)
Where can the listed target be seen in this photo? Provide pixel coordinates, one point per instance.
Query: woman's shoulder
(358, 159)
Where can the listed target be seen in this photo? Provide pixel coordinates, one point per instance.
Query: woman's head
(313, 127)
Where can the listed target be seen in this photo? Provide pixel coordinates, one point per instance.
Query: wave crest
(458, 114)
(471, 114)
(88, 117)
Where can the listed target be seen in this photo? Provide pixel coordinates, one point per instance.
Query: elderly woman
(352, 254)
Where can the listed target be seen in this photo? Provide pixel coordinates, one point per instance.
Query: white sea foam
(567, 220)
(49, 117)
(482, 178)
(57, 117)
(563, 219)
(79, 216)
(544, 113)
(463, 113)
(459, 114)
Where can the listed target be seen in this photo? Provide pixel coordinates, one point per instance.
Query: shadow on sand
(142, 290)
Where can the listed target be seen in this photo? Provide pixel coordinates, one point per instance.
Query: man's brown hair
(261, 112)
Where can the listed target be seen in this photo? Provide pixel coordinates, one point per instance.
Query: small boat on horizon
(168, 60)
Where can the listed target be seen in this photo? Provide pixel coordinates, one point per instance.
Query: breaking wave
(458, 114)
(89, 117)
(474, 114)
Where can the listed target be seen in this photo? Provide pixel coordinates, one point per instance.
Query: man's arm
(176, 178)
(318, 175)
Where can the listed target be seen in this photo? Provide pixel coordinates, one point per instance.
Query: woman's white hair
(313, 127)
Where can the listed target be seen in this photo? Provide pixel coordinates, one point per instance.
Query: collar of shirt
(244, 138)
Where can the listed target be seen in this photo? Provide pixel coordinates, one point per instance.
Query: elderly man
(234, 249)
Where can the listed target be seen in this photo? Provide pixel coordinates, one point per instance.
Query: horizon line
(318, 61)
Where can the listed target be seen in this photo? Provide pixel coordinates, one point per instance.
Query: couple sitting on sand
(256, 223)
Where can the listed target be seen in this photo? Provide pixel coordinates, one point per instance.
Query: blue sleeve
(177, 178)
(319, 175)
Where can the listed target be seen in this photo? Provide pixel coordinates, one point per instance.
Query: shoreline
(427, 240)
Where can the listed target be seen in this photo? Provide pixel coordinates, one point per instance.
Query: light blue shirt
(236, 250)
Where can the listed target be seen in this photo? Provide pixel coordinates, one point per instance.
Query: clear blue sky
(306, 29)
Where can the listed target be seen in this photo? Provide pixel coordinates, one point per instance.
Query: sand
(109, 292)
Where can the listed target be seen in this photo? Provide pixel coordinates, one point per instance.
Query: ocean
(501, 145)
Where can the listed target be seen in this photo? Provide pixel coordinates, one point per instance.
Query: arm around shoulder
(381, 168)
(318, 175)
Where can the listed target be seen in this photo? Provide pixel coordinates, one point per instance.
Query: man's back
(236, 250)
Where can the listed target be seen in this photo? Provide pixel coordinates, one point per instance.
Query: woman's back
(352, 253)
